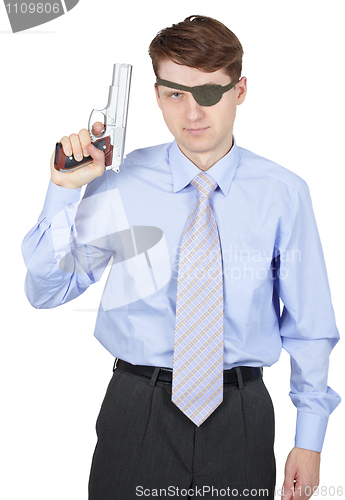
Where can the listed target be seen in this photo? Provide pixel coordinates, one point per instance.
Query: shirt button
(70, 207)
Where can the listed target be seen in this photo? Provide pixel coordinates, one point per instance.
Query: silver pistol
(112, 138)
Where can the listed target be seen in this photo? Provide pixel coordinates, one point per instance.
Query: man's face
(203, 133)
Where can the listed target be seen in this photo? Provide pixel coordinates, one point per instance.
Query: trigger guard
(102, 134)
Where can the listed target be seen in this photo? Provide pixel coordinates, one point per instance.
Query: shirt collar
(183, 170)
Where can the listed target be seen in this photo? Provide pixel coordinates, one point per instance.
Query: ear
(241, 89)
(157, 96)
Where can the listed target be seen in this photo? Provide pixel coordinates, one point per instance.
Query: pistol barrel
(115, 113)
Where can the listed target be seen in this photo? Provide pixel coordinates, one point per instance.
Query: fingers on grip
(77, 144)
(85, 140)
(76, 147)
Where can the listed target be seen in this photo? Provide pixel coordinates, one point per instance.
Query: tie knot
(204, 184)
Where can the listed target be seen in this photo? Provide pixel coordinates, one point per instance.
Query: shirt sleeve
(60, 266)
(307, 323)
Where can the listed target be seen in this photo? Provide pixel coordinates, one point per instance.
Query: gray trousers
(147, 448)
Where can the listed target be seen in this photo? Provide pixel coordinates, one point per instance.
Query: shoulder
(149, 155)
(270, 169)
(142, 163)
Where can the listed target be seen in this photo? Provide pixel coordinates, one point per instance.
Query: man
(205, 237)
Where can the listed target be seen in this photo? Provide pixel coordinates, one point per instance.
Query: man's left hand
(302, 466)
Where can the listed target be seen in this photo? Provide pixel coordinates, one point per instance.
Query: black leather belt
(165, 374)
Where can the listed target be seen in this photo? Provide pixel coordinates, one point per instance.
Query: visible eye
(176, 95)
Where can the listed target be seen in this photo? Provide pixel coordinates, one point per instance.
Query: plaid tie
(198, 352)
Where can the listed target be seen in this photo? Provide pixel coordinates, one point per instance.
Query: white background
(53, 372)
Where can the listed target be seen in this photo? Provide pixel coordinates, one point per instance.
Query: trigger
(97, 116)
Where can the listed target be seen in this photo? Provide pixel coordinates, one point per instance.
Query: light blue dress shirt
(131, 224)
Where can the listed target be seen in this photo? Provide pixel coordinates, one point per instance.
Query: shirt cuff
(58, 198)
(310, 430)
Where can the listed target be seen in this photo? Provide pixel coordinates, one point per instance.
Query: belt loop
(239, 377)
(154, 376)
(115, 364)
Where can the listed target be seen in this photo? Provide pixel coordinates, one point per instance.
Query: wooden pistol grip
(65, 163)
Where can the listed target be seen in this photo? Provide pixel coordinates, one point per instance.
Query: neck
(205, 160)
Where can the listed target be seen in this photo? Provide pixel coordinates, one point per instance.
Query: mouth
(196, 131)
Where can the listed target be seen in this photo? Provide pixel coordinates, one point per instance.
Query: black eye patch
(205, 95)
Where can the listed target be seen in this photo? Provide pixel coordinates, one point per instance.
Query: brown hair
(199, 42)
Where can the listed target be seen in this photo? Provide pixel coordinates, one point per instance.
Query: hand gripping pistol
(112, 138)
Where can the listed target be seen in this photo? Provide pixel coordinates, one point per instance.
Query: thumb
(97, 156)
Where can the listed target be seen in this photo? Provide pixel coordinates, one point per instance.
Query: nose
(193, 110)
